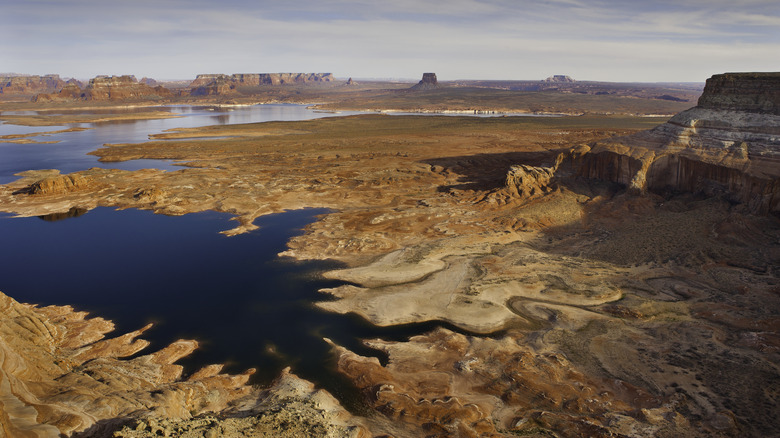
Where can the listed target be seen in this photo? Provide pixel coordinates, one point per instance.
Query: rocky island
(600, 275)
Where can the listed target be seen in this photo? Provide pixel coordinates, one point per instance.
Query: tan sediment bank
(605, 314)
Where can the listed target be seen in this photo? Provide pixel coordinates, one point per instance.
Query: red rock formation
(215, 84)
(114, 88)
(60, 376)
(30, 84)
(727, 145)
(121, 88)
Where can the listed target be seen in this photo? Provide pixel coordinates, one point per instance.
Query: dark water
(247, 307)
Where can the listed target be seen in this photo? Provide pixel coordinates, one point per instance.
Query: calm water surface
(69, 154)
(247, 307)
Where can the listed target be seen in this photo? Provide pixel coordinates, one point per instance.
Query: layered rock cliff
(729, 144)
(108, 88)
(211, 84)
(30, 84)
(60, 376)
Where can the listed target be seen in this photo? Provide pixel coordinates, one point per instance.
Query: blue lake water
(69, 154)
(247, 307)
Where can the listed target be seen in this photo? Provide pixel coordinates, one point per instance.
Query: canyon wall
(729, 145)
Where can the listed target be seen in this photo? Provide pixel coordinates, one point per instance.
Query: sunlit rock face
(60, 375)
(216, 84)
(729, 144)
(30, 84)
(107, 88)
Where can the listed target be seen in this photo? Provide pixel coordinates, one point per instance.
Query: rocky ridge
(60, 375)
(217, 84)
(729, 144)
(108, 88)
(32, 84)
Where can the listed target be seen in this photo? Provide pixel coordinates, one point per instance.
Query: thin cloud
(500, 39)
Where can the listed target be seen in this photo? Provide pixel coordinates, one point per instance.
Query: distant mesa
(220, 84)
(107, 88)
(149, 81)
(428, 82)
(559, 78)
(728, 145)
(31, 84)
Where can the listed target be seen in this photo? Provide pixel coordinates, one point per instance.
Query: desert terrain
(583, 288)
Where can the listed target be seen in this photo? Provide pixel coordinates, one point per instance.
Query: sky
(601, 40)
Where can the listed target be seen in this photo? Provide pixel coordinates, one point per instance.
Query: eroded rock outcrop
(559, 78)
(108, 88)
(729, 144)
(428, 82)
(215, 84)
(59, 375)
(30, 84)
(59, 184)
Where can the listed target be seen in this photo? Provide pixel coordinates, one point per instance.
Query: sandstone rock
(529, 181)
(559, 78)
(122, 88)
(749, 92)
(216, 84)
(428, 82)
(30, 84)
(59, 376)
(59, 184)
(727, 145)
(68, 92)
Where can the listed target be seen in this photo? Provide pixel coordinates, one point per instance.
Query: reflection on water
(73, 212)
(70, 153)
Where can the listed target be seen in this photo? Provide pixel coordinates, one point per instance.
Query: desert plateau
(409, 219)
(565, 258)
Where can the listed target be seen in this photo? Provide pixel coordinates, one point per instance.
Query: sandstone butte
(108, 88)
(728, 144)
(128, 88)
(32, 84)
(219, 84)
(574, 307)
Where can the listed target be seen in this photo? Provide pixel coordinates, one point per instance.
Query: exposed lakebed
(245, 306)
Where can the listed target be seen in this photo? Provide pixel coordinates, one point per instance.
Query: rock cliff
(59, 375)
(209, 84)
(729, 144)
(428, 82)
(110, 88)
(30, 84)
(121, 88)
